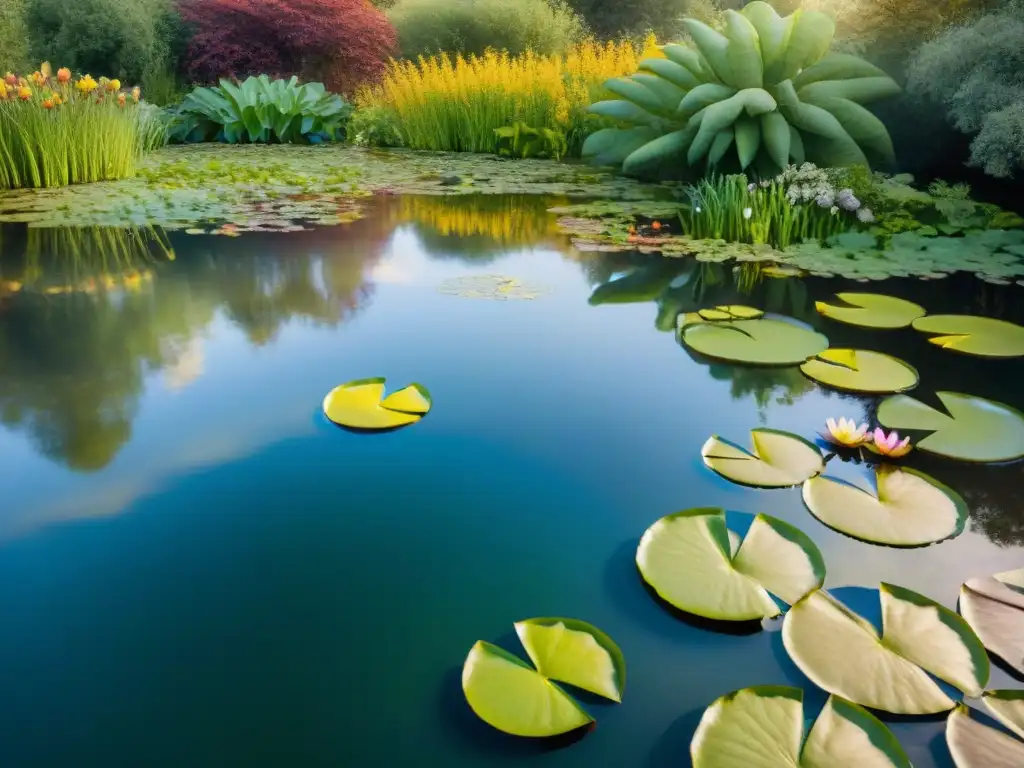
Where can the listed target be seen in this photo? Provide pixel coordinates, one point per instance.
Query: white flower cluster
(807, 183)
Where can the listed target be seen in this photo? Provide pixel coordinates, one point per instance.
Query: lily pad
(845, 655)
(779, 459)
(994, 607)
(973, 335)
(764, 726)
(906, 508)
(764, 341)
(871, 310)
(687, 558)
(361, 404)
(972, 429)
(730, 312)
(511, 696)
(975, 745)
(860, 370)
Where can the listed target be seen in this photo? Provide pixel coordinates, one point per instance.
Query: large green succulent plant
(766, 93)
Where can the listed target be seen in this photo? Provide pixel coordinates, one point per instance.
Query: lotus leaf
(994, 607)
(511, 696)
(906, 508)
(763, 727)
(687, 558)
(973, 335)
(859, 370)
(845, 654)
(763, 341)
(779, 459)
(361, 404)
(972, 429)
(871, 310)
(975, 745)
(762, 93)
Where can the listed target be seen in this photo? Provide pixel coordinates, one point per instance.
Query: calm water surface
(197, 570)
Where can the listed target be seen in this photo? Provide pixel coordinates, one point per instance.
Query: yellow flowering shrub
(446, 103)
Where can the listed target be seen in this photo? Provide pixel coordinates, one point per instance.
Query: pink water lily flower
(890, 445)
(846, 434)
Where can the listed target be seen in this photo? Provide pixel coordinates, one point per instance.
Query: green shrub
(13, 36)
(976, 72)
(763, 94)
(374, 125)
(260, 110)
(427, 27)
(128, 39)
(617, 18)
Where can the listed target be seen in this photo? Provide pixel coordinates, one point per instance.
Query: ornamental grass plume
(63, 132)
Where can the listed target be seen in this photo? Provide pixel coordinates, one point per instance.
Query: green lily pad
(764, 341)
(860, 370)
(906, 508)
(973, 429)
(994, 607)
(871, 310)
(509, 695)
(730, 312)
(764, 726)
(975, 745)
(687, 559)
(361, 404)
(779, 459)
(844, 654)
(973, 335)
(1007, 707)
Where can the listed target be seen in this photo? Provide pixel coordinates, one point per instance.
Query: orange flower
(63, 75)
(121, 98)
(656, 226)
(136, 94)
(47, 103)
(24, 93)
(38, 78)
(11, 79)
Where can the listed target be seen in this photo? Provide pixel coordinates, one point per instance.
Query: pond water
(196, 568)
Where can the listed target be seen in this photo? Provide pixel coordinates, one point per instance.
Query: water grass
(455, 104)
(733, 209)
(56, 131)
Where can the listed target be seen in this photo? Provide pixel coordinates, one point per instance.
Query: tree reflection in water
(85, 315)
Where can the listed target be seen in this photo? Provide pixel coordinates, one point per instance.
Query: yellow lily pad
(860, 370)
(361, 404)
(871, 310)
(973, 335)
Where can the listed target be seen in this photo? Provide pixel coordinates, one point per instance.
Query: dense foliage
(426, 27)
(615, 19)
(341, 42)
(976, 72)
(457, 105)
(56, 131)
(129, 39)
(13, 35)
(764, 93)
(259, 110)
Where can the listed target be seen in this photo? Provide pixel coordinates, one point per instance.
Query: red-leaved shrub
(341, 43)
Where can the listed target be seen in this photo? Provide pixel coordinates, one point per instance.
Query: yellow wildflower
(86, 84)
(24, 93)
(113, 85)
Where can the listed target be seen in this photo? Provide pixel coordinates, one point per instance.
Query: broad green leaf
(687, 559)
(842, 653)
(1007, 707)
(860, 370)
(776, 137)
(714, 46)
(836, 66)
(414, 398)
(668, 93)
(505, 693)
(973, 335)
(858, 89)
(973, 429)
(357, 405)
(663, 149)
(613, 147)
(824, 136)
(995, 610)
(871, 310)
(674, 73)
(636, 93)
(761, 341)
(810, 40)
(748, 139)
(935, 638)
(685, 57)
(704, 95)
(863, 126)
(626, 111)
(772, 32)
(743, 51)
(846, 735)
(729, 312)
(779, 459)
(974, 745)
(574, 652)
(720, 145)
(909, 509)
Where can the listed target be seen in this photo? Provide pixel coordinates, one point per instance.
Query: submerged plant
(765, 93)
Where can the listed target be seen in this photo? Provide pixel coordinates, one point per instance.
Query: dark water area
(197, 569)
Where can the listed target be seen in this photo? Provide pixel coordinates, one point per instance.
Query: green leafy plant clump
(260, 110)
(764, 94)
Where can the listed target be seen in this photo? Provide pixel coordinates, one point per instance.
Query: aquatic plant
(446, 103)
(860, 370)
(260, 110)
(342, 43)
(994, 607)
(975, 745)
(973, 335)
(762, 95)
(778, 460)
(56, 131)
(871, 310)
(845, 433)
(361, 404)
(761, 341)
(520, 140)
(889, 445)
